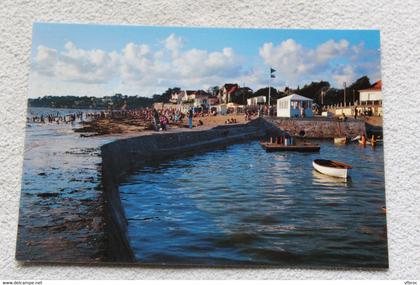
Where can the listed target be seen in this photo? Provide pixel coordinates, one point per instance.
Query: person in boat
(363, 139)
(373, 140)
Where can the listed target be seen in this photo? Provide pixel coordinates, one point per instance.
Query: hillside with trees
(321, 92)
(314, 90)
(117, 101)
(332, 96)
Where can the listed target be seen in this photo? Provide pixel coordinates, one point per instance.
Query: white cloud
(330, 50)
(139, 65)
(143, 69)
(45, 60)
(297, 64)
(78, 65)
(174, 43)
(198, 65)
(344, 73)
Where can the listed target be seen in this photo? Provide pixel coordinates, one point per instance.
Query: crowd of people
(363, 112)
(56, 118)
(156, 119)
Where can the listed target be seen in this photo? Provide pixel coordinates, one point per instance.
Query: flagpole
(269, 88)
(269, 92)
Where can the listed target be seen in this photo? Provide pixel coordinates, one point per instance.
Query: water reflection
(242, 205)
(319, 178)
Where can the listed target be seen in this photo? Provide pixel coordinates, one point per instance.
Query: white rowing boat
(332, 168)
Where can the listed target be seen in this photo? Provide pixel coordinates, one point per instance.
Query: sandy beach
(107, 126)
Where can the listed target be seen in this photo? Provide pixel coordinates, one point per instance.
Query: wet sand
(61, 214)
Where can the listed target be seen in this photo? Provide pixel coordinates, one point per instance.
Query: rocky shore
(63, 220)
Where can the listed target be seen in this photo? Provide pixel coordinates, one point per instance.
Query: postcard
(204, 147)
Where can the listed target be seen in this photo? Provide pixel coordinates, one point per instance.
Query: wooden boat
(341, 140)
(331, 167)
(304, 147)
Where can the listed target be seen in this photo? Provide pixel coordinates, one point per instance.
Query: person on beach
(164, 122)
(156, 119)
(176, 117)
(355, 113)
(190, 118)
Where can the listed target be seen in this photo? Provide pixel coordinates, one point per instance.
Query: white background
(399, 22)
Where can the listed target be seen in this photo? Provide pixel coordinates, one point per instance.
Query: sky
(101, 60)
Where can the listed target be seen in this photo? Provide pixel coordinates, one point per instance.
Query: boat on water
(332, 168)
(302, 147)
(340, 140)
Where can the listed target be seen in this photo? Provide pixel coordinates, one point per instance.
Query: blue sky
(101, 60)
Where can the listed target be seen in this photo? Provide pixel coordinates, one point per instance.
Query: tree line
(321, 92)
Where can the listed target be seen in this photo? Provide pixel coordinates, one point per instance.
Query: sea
(244, 206)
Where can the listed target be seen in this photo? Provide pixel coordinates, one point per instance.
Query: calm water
(242, 205)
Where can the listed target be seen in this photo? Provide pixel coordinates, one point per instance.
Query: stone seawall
(120, 157)
(319, 127)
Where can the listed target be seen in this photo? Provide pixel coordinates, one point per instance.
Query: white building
(294, 106)
(177, 97)
(189, 96)
(256, 100)
(372, 95)
(220, 109)
(200, 100)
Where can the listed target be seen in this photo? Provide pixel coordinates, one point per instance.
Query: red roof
(377, 86)
(232, 89)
